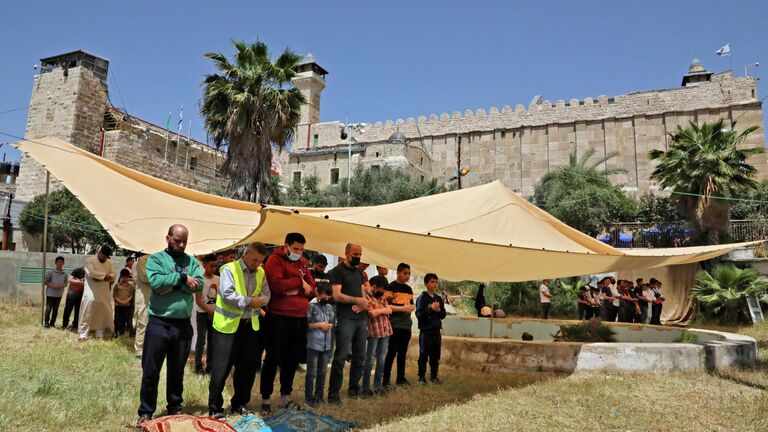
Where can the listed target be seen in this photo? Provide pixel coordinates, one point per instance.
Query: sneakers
(402, 382)
(365, 394)
(436, 380)
(143, 418)
(242, 410)
(334, 400)
(266, 409)
(218, 416)
(422, 380)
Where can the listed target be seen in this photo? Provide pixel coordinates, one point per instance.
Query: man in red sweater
(292, 286)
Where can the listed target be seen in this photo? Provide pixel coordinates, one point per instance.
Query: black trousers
(398, 347)
(583, 311)
(72, 304)
(51, 309)
(430, 342)
(286, 344)
(122, 318)
(164, 338)
(608, 312)
(545, 307)
(204, 326)
(656, 313)
(232, 350)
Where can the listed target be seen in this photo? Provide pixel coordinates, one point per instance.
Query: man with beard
(174, 278)
(96, 306)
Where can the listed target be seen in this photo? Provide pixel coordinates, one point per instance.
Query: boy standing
(320, 318)
(55, 282)
(430, 311)
(123, 294)
(379, 331)
(204, 308)
(401, 304)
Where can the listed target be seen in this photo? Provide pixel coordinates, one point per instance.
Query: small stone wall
(642, 348)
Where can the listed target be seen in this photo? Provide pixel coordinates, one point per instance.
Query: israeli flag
(724, 51)
(181, 118)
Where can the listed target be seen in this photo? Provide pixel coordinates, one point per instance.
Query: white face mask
(293, 256)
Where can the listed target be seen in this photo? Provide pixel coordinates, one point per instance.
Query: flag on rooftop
(724, 50)
(181, 118)
(168, 122)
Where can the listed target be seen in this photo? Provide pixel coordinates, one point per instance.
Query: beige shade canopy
(486, 232)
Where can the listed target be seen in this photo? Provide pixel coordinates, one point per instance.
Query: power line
(14, 109)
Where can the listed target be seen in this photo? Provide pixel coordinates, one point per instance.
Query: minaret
(310, 80)
(68, 100)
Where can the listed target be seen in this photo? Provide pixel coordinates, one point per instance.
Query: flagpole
(189, 132)
(45, 243)
(167, 135)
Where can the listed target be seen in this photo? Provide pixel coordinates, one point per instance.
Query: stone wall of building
(518, 146)
(68, 104)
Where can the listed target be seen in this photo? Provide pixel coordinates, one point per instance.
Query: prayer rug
(251, 424)
(185, 423)
(291, 420)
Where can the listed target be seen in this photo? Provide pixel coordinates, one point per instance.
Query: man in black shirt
(352, 322)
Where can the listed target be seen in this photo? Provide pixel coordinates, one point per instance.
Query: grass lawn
(50, 382)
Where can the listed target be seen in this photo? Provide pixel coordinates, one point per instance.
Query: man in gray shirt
(55, 282)
(243, 290)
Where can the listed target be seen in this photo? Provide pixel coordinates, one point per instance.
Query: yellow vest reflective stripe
(226, 318)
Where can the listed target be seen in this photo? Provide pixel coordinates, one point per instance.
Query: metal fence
(674, 234)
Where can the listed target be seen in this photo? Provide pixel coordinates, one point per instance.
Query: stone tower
(310, 80)
(68, 100)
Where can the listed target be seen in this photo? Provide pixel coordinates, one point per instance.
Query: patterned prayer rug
(291, 420)
(185, 423)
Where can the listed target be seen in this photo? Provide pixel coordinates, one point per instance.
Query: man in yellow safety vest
(243, 290)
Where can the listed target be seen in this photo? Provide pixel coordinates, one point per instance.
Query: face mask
(378, 293)
(323, 302)
(293, 256)
(354, 261)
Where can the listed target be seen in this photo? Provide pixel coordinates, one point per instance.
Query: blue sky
(387, 60)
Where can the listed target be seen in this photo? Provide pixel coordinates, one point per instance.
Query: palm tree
(249, 106)
(706, 162)
(727, 287)
(583, 164)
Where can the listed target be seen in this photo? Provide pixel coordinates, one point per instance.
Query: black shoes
(334, 400)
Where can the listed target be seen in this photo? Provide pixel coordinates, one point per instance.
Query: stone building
(70, 100)
(519, 145)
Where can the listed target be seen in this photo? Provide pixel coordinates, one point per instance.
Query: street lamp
(360, 129)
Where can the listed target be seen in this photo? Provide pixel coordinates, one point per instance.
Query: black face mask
(354, 261)
(323, 302)
(378, 293)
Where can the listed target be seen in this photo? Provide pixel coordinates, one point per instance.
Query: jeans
(376, 351)
(609, 312)
(51, 309)
(643, 313)
(314, 382)
(430, 342)
(204, 336)
(582, 311)
(398, 347)
(286, 341)
(232, 350)
(349, 332)
(122, 318)
(165, 338)
(72, 304)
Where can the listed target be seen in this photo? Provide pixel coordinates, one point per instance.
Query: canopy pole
(45, 246)
(490, 330)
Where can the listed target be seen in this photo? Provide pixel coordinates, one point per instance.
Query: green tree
(657, 209)
(756, 207)
(580, 194)
(249, 106)
(369, 186)
(706, 162)
(565, 297)
(726, 288)
(70, 224)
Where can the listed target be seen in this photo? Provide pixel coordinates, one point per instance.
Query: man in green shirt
(174, 277)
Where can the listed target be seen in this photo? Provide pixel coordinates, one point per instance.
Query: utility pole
(458, 158)
(45, 245)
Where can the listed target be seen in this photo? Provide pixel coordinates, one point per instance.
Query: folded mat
(185, 423)
(291, 420)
